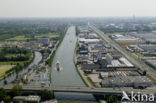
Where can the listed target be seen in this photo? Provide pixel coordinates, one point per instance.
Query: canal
(68, 75)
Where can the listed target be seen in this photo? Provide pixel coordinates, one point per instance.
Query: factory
(127, 81)
(122, 39)
(146, 47)
(151, 62)
(150, 37)
(117, 62)
(134, 48)
(88, 41)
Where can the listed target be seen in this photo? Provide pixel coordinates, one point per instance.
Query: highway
(90, 90)
(137, 63)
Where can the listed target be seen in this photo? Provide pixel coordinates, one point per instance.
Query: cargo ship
(58, 66)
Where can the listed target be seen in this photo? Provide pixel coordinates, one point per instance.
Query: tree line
(7, 97)
(19, 54)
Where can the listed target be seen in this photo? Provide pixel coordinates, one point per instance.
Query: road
(37, 88)
(137, 63)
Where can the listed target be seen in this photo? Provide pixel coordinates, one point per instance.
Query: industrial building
(88, 41)
(150, 37)
(103, 75)
(145, 47)
(122, 39)
(127, 81)
(117, 61)
(151, 62)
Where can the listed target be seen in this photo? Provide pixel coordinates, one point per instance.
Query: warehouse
(127, 81)
(88, 41)
(148, 47)
(122, 39)
(125, 61)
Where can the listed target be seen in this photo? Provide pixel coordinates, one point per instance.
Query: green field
(4, 68)
(19, 38)
(23, 38)
(12, 62)
(50, 35)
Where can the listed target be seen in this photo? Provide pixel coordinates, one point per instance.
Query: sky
(77, 8)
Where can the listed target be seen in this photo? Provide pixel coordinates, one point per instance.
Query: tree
(5, 82)
(144, 73)
(2, 93)
(16, 90)
(3, 96)
(112, 99)
(47, 94)
(25, 80)
(7, 99)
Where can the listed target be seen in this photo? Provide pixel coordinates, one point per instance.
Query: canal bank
(78, 68)
(53, 52)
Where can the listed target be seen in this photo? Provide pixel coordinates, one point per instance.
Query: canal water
(37, 59)
(67, 76)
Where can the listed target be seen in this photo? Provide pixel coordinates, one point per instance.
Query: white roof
(125, 61)
(88, 40)
(103, 73)
(115, 63)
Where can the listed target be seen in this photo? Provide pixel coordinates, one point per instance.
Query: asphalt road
(126, 54)
(35, 88)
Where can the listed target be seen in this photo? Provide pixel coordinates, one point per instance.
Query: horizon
(77, 17)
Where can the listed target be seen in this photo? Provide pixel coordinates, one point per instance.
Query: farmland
(24, 38)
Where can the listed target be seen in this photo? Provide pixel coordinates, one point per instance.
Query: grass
(13, 55)
(90, 81)
(4, 68)
(18, 38)
(50, 60)
(50, 35)
(23, 38)
(11, 62)
(15, 62)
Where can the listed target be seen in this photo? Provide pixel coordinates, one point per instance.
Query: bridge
(88, 90)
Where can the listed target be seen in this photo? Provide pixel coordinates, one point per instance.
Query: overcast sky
(76, 8)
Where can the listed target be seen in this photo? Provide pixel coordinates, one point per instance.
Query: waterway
(37, 59)
(68, 75)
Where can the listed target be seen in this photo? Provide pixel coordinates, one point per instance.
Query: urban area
(78, 60)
